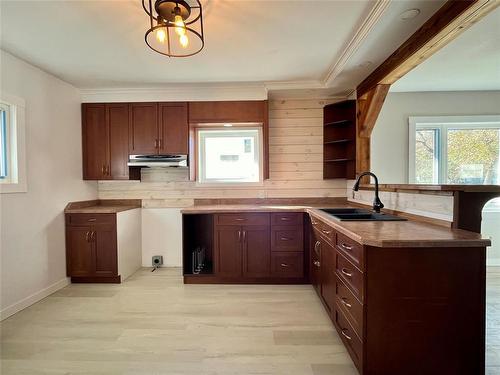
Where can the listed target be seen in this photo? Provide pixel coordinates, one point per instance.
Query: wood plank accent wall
(295, 156)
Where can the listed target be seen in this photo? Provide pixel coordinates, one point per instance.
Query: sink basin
(359, 214)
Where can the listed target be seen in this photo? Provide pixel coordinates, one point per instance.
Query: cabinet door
(79, 250)
(117, 118)
(174, 129)
(105, 250)
(95, 139)
(256, 251)
(315, 265)
(144, 128)
(328, 274)
(228, 243)
(227, 111)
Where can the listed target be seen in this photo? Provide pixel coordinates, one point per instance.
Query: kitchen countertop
(112, 206)
(411, 233)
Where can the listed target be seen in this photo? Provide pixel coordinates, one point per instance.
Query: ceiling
(328, 46)
(470, 62)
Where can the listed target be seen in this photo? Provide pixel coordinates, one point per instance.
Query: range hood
(158, 161)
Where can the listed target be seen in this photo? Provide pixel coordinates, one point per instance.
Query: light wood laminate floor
(153, 324)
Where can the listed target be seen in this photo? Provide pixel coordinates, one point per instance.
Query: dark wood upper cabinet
(144, 137)
(228, 111)
(95, 141)
(173, 128)
(118, 120)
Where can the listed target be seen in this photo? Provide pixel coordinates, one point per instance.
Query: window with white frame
(229, 155)
(454, 150)
(5, 157)
(12, 145)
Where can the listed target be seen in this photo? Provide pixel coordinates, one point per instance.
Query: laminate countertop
(102, 206)
(410, 233)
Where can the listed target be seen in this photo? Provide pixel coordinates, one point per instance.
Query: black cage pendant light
(176, 27)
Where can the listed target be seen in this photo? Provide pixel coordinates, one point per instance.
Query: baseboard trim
(32, 299)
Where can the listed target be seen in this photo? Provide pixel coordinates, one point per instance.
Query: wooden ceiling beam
(369, 107)
(446, 24)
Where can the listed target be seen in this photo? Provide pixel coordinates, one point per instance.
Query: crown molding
(173, 93)
(365, 28)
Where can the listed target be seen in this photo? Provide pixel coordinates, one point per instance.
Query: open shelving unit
(339, 140)
(197, 236)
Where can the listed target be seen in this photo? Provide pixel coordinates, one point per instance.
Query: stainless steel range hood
(158, 161)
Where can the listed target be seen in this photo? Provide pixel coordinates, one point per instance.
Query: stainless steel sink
(359, 214)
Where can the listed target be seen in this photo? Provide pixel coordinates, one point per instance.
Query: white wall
(32, 223)
(389, 142)
(162, 235)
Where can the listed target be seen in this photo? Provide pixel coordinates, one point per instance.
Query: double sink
(359, 214)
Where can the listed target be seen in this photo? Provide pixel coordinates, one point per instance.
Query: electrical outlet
(157, 261)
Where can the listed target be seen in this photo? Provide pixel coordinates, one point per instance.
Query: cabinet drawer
(351, 249)
(79, 219)
(352, 342)
(287, 238)
(350, 275)
(287, 218)
(242, 219)
(350, 306)
(286, 264)
(323, 230)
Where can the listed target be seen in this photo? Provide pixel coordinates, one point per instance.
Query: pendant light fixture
(176, 27)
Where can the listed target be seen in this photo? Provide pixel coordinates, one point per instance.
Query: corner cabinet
(102, 247)
(394, 307)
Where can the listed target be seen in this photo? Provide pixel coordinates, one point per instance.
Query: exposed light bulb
(161, 35)
(184, 40)
(180, 26)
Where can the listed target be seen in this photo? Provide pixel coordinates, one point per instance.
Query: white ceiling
(286, 45)
(470, 62)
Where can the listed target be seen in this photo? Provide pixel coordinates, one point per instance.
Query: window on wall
(4, 142)
(12, 145)
(229, 155)
(454, 150)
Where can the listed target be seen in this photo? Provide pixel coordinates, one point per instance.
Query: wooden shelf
(339, 135)
(338, 123)
(337, 141)
(337, 160)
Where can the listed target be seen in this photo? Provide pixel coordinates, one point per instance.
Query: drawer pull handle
(345, 247)
(93, 219)
(346, 272)
(87, 236)
(317, 263)
(285, 219)
(314, 222)
(326, 231)
(345, 303)
(284, 265)
(316, 247)
(284, 239)
(240, 219)
(345, 334)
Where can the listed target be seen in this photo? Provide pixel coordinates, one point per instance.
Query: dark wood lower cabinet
(93, 246)
(256, 251)
(403, 310)
(243, 248)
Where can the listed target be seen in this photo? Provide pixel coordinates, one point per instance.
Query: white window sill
(229, 184)
(8, 188)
